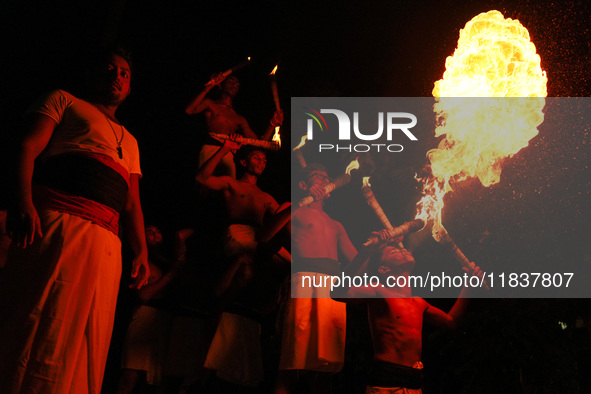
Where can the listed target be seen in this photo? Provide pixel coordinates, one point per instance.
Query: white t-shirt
(84, 128)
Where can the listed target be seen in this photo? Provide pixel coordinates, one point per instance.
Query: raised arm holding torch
(442, 236)
(429, 209)
(222, 120)
(270, 145)
(337, 183)
(449, 243)
(229, 71)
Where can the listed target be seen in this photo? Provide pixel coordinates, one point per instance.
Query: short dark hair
(102, 54)
(247, 150)
(125, 54)
(234, 77)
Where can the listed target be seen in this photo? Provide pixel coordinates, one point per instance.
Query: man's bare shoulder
(245, 188)
(264, 196)
(207, 103)
(338, 225)
(309, 216)
(230, 182)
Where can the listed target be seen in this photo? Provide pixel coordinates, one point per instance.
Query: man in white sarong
(78, 171)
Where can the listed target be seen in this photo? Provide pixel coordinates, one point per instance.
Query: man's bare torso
(396, 328)
(222, 118)
(246, 203)
(314, 234)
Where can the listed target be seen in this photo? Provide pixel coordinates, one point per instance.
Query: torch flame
(354, 165)
(302, 142)
(366, 181)
(277, 137)
(248, 58)
(274, 70)
(494, 58)
(431, 204)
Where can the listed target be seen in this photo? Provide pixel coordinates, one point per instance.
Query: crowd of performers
(197, 326)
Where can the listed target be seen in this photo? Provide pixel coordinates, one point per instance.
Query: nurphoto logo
(392, 122)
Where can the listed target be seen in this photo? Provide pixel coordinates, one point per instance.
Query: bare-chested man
(396, 318)
(253, 214)
(221, 118)
(254, 217)
(313, 337)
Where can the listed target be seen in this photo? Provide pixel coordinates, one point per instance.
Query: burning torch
(298, 154)
(429, 209)
(442, 236)
(371, 200)
(270, 145)
(374, 204)
(400, 231)
(273, 79)
(336, 184)
(276, 136)
(229, 71)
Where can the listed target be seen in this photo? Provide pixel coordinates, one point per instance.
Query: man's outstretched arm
(452, 319)
(198, 104)
(205, 174)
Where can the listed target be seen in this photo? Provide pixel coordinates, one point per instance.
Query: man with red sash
(77, 172)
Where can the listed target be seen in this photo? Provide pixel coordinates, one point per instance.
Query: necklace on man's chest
(119, 140)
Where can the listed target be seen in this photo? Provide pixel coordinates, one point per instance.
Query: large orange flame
(496, 68)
